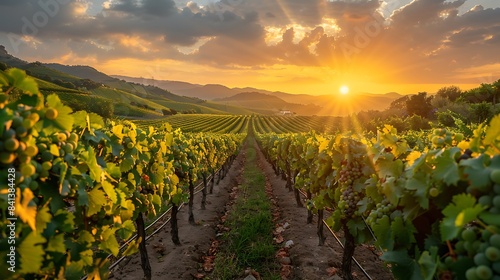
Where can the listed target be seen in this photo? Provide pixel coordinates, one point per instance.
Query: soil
(308, 260)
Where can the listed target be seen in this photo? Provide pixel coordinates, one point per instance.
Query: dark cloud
(146, 7)
(422, 41)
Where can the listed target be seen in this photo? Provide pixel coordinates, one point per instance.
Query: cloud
(422, 41)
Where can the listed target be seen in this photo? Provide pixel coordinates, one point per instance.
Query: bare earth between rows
(309, 261)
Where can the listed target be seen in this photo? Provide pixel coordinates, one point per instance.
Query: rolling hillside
(302, 104)
(150, 93)
(268, 104)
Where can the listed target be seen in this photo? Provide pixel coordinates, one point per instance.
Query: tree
(399, 103)
(451, 93)
(481, 112)
(418, 123)
(496, 91)
(419, 104)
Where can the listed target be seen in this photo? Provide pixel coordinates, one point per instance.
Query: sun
(344, 90)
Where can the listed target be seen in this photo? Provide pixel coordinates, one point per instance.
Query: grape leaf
(20, 80)
(108, 241)
(476, 171)
(3, 79)
(43, 217)
(64, 220)
(88, 120)
(83, 197)
(133, 247)
(117, 131)
(32, 253)
(56, 244)
(127, 164)
(428, 263)
(26, 212)
(95, 169)
(382, 230)
(492, 135)
(413, 157)
(74, 270)
(490, 218)
(85, 237)
(457, 213)
(126, 230)
(35, 100)
(402, 233)
(97, 200)
(419, 183)
(387, 166)
(468, 215)
(87, 257)
(355, 226)
(113, 170)
(404, 267)
(447, 167)
(109, 190)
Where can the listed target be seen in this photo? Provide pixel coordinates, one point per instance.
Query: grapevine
(82, 185)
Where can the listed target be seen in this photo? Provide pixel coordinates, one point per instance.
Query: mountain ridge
(318, 104)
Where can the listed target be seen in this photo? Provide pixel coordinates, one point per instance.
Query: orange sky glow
(312, 47)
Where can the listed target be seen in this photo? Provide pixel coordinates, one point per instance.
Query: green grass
(228, 108)
(54, 74)
(123, 96)
(249, 243)
(48, 86)
(181, 106)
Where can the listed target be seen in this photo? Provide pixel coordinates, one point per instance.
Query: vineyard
(432, 211)
(77, 192)
(239, 124)
(74, 188)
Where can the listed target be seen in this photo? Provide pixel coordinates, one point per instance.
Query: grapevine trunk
(141, 233)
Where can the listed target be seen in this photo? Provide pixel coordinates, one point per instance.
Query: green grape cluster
(55, 150)
(442, 137)
(349, 198)
(383, 208)
(491, 199)
(483, 247)
(17, 146)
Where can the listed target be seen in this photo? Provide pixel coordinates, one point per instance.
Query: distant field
(203, 123)
(239, 124)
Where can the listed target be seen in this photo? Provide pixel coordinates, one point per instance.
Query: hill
(302, 104)
(151, 93)
(10, 60)
(267, 104)
(81, 71)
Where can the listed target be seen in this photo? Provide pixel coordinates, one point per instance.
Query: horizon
(251, 87)
(310, 48)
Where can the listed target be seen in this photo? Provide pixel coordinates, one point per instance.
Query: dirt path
(182, 262)
(309, 261)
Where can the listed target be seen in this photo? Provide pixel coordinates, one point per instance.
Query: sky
(296, 46)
